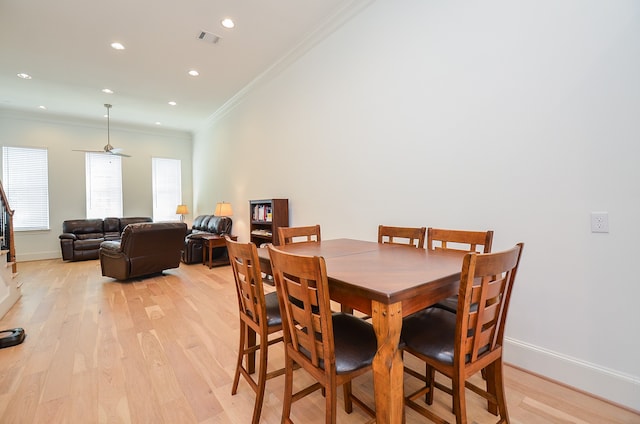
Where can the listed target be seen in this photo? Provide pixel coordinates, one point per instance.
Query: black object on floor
(11, 337)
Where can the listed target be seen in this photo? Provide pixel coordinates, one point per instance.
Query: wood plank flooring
(163, 349)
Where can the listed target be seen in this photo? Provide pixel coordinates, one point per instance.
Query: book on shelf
(262, 213)
(265, 233)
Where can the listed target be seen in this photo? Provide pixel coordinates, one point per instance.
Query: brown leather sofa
(144, 249)
(80, 239)
(205, 225)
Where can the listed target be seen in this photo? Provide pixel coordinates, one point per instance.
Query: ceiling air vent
(209, 37)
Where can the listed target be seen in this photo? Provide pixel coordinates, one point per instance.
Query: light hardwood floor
(162, 350)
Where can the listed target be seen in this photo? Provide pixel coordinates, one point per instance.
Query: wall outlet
(599, 222)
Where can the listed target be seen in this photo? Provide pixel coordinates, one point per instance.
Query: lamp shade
(182, 210)
(223, 209)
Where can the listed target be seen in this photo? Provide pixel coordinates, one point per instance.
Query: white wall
(521, 117)
(60, 135)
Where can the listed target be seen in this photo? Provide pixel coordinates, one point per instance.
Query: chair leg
(490, 379)
(331, 403)
(348, 403)
(262, 380)
(288, 389)
(430, 374)
(496, 371)
(459, 400)
(241, 353)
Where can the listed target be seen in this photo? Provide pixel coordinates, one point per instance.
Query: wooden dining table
(387, 282)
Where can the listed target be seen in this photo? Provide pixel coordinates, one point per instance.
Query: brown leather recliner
(145, 248)
(205, 225)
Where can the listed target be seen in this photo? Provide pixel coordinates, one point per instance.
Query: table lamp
(223, 209)
(182, 210)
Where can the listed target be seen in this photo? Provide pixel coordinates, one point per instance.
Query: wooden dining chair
(459, 345)
(402, 235)
(333, 348)
(259, 315)
(467, 241)
(288, 235)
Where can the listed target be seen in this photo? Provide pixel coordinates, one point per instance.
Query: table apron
(419, 299)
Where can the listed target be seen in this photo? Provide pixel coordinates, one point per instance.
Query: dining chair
(259, 315)
(459, 345)
(333, 348)
(288, 235)
(402, 235)
(467, 241)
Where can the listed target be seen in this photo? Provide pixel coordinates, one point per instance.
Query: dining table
(387, 282)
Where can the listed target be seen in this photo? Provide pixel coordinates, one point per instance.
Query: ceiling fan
(109, 149)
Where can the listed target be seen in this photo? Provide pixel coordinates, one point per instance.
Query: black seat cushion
(355, 342)
(431, 332)
(450, 304)
(273, 309)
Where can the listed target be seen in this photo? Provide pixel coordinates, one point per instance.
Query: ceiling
(65, 47)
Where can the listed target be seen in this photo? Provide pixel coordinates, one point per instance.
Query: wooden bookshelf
(265, 217)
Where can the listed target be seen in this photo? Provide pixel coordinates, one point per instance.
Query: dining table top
(386, 273)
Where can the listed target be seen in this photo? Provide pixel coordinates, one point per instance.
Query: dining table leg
(387, 364)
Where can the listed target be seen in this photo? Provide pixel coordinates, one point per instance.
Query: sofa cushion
(83, 226)
(201, 222)
(88, 244)
(219, 225)
(90, 236)
(112, 235)
(133, 220)
(111, 225)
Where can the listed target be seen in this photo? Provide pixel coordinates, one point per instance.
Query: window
(104, 185)
(167, 188)
(26, 183)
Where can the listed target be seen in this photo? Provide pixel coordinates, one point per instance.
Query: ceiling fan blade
(108, 148)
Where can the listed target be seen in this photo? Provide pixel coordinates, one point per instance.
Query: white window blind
(104, 185)
(26, 183)
(167, 188)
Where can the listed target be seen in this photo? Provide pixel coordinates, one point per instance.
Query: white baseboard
(614, 386)
(38, 256)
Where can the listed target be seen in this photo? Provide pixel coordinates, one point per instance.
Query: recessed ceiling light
(42, 107)
(227, 23)
(194, 73)
(158, 123)
(172, 103)
(107, 91)
(24, 76)
(117, 46)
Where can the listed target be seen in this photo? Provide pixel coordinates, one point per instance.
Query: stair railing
(6, 231)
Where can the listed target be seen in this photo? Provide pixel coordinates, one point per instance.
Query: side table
(209, 242)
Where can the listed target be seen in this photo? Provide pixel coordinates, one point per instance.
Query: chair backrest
(468, 241)
(288, 235)
(248, 277)
(402, 235)
(147, 240)
(486, 283)
(303, 293)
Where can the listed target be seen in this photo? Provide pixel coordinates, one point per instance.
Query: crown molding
(329, 26)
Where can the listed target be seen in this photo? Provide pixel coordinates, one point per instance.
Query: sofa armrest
(196, 235)
(66, 245)
(111, 248)
(69, 236)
